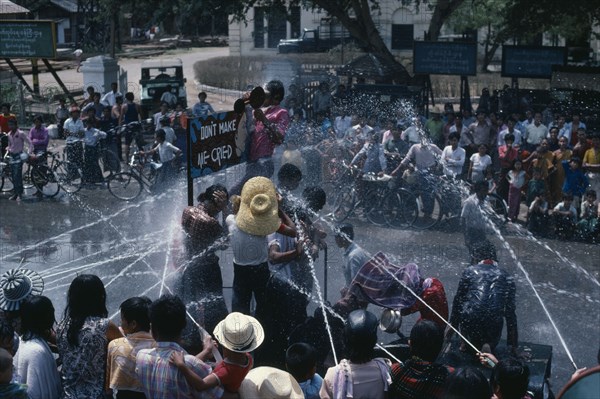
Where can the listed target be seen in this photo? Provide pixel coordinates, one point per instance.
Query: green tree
(356, 17)
(519, 21)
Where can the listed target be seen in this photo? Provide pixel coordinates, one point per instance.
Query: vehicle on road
(157, 75)
(316, 40)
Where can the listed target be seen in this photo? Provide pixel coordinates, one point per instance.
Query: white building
(398, 25)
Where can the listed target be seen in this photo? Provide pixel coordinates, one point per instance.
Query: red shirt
(434, 296)
(231, 375)
(262, 146)
(4, 122)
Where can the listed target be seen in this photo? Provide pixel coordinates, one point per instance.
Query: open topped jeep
(157, 75)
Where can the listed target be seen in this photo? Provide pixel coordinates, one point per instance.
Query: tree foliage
(356, 16)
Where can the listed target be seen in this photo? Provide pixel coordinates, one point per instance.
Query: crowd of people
(148, 354)
(548, 161)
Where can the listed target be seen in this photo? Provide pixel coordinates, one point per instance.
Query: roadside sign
(216, 142)
(531, 61)
(445, 58)
(27, 39)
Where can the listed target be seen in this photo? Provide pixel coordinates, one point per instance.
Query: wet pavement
(132, 247)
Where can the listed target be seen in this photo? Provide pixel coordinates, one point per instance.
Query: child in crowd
(535, 186)
(516, 180)
(301, 362)
(120, 365)
(537, 216)
(480, 161)
(167, 153)
(565, 217)
(238, 335)
(588, 227)
(9, 389)
(576, 182)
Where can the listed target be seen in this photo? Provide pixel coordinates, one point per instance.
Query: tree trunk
(443, 10)
(361, 28)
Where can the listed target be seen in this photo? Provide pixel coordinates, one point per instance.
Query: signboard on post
(445, 58)
(27, 39)
(216, 143)
(531, 61)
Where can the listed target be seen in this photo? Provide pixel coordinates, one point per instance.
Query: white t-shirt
(480, 164)
(248, 249)
(166, 151)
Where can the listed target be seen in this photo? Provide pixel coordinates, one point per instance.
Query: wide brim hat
(239, 333)
(270, 383)
(16, 285)
(258, 213)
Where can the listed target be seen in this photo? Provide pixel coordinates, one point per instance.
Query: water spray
(302, 236)
(537, 295)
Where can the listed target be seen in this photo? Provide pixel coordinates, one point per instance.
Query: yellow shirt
(120, 364)
(591, 157)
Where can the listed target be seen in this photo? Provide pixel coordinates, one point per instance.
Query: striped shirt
(162, 380)
(417, 378)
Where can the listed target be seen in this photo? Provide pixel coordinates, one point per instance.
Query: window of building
(259, 27)
(295, 29)
(277, 26)
(402, 36)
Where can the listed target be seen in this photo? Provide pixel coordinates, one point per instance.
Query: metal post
(325, 274)
(35, 72)
(190, 181)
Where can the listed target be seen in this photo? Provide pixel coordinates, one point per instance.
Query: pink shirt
(16, 141)
(262, 146)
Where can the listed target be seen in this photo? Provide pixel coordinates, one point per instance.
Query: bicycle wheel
(400, 208)
(344, 204)
(498, 206)
(427, 217)
(28, 186)
(110, 164)
(373, 206)
(45, 180)
(125, 186)
(69, 176)
(6, 184)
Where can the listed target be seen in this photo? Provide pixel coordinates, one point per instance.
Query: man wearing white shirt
(341, 124)
(74, 130)
(536, 132)
(510, 123)
(453, 157)
(411, 134)
(110, 98)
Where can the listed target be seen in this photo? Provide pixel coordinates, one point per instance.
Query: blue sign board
(445, 58)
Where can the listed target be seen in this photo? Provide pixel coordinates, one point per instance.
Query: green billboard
(27, 39)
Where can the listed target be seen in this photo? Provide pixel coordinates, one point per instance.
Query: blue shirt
(576, 182)
(311, 387)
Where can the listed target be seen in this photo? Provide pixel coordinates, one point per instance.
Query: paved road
(74, 80)
(132, 247)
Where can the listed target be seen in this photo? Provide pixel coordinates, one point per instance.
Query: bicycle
(68, 175)
(36, 175)
(350, 198)
(142, 174)
(109, 161)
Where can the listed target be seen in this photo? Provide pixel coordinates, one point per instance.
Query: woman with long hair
(83, 337)
(34, 361)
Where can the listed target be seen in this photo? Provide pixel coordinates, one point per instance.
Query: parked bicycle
(68, 175)
(142, 174)
(37, 175)
(364, 194)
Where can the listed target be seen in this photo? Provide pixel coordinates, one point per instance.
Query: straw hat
(239, 333)
(270, 383)
(16, 285)
(258, 208)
